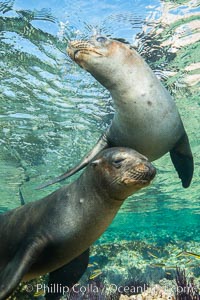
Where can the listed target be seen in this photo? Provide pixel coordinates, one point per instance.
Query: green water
(52, 112)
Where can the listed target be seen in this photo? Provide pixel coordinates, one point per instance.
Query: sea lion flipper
(68, 275)
(21, 197)
(100, 145)
(12, 274)
(182, 159)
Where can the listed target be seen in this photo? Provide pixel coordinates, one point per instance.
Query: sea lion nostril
(152, 172)
(75, 53)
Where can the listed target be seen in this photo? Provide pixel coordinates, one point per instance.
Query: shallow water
(52, 112)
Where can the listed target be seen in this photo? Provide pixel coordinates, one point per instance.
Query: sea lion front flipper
(100, 145)
(21, 197)
(182, 159)
(18, 266)
(68, 275)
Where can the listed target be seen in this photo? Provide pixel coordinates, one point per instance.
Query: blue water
(52, 112)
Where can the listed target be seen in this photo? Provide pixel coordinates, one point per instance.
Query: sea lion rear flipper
(182, 159)
(15, 270)
(100, 145)
(68, 275)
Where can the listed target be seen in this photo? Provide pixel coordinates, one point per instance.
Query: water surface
(52, 112)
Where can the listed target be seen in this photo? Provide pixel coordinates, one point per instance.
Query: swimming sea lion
(68, 275)
(146, 117)
(42, 236)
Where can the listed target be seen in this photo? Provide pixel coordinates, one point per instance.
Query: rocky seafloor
(131, 269)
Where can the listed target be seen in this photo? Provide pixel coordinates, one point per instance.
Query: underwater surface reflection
(52, 112)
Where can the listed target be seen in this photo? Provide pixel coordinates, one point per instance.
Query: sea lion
(68, 275)
(42, 236)
(146, 117)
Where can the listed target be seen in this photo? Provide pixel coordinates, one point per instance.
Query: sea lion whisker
(88, 51)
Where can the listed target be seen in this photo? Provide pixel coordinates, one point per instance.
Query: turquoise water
(52, 112)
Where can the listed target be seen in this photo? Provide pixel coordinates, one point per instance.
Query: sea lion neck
(97, 188)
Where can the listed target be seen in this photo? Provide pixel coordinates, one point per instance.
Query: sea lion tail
(100, 145)
(182, 159)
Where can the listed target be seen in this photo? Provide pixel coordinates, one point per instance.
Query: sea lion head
(121, 172)
(101, 57)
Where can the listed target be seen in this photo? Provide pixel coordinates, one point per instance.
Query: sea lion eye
(118, 162)
(101, 39)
